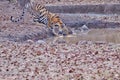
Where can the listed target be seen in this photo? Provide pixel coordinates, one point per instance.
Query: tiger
(42, 15)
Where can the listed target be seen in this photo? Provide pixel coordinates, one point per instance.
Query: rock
(40, 42)
(84, 28)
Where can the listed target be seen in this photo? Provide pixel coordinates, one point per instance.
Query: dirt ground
(52, 60)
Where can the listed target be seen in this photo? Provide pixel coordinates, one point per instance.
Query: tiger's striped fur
(42, 15)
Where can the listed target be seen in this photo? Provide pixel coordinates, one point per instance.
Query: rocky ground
(38, 59)
(59, 61)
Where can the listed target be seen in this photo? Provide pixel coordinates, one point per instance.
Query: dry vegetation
(53, 61)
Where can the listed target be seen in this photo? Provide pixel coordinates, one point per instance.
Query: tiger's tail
(17, 19)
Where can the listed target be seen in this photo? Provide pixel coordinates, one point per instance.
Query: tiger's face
(58, 27)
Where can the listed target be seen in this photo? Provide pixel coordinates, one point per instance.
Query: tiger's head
(58, 27)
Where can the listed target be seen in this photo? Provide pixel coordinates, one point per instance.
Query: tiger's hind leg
(35, 19)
